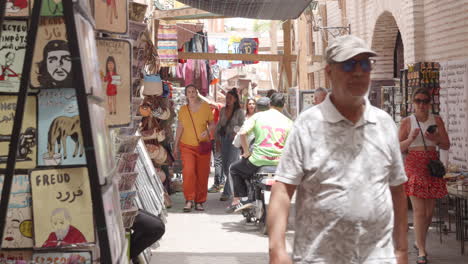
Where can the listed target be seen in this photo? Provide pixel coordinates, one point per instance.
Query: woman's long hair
(236, 105)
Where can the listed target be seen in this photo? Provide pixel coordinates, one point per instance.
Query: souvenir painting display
(60, 141)
(115, 70)
(111, 16)
(52, 64)
(26, 155)
(12, 49)
(15, 256)
(18, 8)
(88, 52)
(75, 257)
(18, 229)
(52, 8)
(62, 207)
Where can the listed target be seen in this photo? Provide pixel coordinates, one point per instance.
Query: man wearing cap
(343, 157)
(55, 67)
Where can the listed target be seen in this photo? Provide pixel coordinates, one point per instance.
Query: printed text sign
(62, 207)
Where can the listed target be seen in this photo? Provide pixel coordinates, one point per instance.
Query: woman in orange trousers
(193, 128)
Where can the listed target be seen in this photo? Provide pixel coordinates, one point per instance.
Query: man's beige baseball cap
(345, 47)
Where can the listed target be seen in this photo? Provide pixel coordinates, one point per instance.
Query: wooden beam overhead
(235, 56)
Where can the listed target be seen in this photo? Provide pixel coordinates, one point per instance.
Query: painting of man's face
(59, 64)
(60, 225)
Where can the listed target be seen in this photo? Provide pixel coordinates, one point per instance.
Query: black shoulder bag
(436, 167)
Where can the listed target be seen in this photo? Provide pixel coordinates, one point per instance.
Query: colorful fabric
(167, 43)
(271, 129)
(201, 118)
(420, 183)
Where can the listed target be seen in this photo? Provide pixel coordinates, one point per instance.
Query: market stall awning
(259, 9)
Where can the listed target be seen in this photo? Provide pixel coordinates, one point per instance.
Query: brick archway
(384, 39)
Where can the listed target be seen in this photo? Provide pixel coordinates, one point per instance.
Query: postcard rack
(105, 240)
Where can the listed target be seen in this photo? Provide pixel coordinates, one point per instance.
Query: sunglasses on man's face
(350, 65)
(422, 101)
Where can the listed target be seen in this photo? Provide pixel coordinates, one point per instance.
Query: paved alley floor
(213, 236)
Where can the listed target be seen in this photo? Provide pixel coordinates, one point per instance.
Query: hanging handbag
(204, 147)
(436, 167)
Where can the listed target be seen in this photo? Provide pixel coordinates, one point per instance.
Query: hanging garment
(167, 43)
(249, 46)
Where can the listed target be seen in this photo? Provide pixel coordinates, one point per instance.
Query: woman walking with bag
(420, 135)
(193, 137)
(231, 119)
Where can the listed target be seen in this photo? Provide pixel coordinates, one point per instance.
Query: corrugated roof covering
(259, 9)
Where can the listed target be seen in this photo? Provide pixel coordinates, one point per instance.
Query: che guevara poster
(52, 63)
(115, 69)
(12, 50)
(60, 140)
(27, 149)
(62, 207)
(18, 231)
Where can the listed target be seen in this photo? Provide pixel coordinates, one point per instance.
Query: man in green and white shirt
(271, 129)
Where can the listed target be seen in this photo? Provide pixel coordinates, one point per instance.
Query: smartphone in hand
(431, 129)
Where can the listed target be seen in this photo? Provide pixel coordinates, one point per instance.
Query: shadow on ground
(207, 258)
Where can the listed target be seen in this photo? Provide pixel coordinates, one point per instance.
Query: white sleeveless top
(418, 142)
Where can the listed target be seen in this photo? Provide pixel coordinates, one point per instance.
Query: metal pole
(78, 81)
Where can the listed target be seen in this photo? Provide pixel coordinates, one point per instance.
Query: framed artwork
(15, 256)
(52, 8)
(115, 69)
(18, 230)
(60, 141)
(62, 207)
(12, 50)
(111, 16)
(306, 99)
(18, 8)
(52, 64)
(89, 55)
(75, 257)
(26, 155)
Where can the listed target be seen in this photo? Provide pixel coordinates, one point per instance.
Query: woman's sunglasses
(350, 65)
(422, 101)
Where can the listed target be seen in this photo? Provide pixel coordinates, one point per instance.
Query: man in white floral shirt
(343, 157)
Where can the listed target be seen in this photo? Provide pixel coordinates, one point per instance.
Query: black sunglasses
(350, 65)
(422, 101)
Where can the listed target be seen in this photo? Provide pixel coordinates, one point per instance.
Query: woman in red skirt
(422, 188)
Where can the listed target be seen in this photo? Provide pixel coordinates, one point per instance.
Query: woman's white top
(418, 142)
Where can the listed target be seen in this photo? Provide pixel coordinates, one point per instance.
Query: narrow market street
(214, 236)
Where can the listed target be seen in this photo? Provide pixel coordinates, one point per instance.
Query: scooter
(259, 192)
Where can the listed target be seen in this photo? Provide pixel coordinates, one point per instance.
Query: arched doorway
(388, 43)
